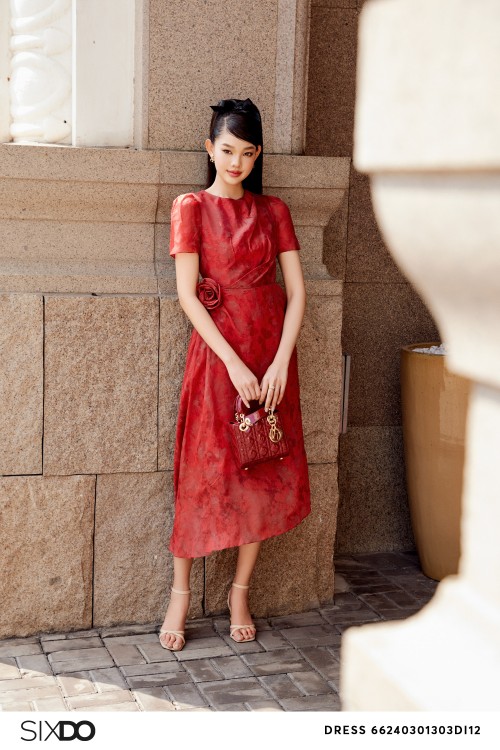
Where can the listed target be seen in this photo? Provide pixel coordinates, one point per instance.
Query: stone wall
(200, 52)
(381, 310)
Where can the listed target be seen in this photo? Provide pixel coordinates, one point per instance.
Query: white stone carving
(4, 71)
(40, 85)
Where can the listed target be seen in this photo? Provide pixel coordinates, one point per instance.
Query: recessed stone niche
(97, 341)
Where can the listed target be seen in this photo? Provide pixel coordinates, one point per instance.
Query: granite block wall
(381, 310)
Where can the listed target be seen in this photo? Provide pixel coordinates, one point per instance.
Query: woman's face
(234, 158)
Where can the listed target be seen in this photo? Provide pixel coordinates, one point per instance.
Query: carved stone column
(427, 133)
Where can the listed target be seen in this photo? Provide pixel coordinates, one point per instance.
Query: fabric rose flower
(209, 293)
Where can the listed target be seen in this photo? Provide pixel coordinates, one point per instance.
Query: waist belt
(210, 292)
(253, 286)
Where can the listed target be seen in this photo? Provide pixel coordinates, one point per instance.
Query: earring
(212, 159)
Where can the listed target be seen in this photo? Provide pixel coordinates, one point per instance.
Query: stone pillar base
(386, 667)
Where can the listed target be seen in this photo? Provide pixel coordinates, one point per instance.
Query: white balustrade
(4, 70)
(40, 81)
(67, 71)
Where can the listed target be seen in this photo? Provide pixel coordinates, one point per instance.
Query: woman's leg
(247, 557)
(177, 609)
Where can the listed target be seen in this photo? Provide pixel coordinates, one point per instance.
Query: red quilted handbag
(257, 435)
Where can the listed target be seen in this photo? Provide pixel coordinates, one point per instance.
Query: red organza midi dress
(218, 504)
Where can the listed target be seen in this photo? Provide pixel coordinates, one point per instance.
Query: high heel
(232, 628)
(178, 633)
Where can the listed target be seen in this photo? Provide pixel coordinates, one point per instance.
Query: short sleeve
(285, 232)
(185, 225)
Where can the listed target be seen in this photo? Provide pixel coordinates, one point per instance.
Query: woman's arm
(296, 303)
(277, 372)
(187, 272)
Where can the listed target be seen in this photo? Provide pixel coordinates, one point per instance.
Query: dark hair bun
(243, 106)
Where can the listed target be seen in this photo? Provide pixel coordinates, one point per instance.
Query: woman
(243, 342)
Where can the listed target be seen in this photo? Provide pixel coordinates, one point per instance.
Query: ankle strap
(178, 591)
(240, 586)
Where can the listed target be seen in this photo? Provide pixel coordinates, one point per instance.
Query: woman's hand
(277, 375)
(243, 380)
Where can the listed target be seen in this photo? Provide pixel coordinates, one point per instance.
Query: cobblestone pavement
(293, 665)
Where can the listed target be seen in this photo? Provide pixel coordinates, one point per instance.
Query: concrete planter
(434, 406)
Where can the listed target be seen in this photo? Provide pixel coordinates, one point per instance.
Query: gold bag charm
(275, 434)
(244, 422)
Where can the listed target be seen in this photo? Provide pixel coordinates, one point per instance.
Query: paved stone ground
(293, 665)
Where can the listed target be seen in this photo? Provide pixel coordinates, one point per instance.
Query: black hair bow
(232, 105)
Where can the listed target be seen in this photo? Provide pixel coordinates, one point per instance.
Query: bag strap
(253, 416)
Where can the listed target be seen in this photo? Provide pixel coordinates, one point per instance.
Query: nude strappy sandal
(179, 633)
(232, 628)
